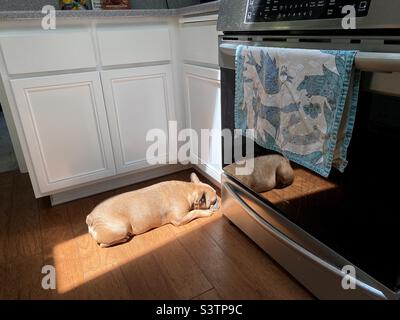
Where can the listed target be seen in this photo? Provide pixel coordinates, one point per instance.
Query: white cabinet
(65, 124)
(200, 42)
(203, 99)
(134, 44)
(79, 130)
(28, 51)
(138, 100)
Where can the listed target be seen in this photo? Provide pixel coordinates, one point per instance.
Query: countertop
(87, 14)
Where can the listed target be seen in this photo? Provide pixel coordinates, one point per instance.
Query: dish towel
(301, 103)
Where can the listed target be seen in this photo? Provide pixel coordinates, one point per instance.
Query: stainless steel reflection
(312, 263)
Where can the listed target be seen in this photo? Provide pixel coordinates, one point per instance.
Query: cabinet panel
(138, 100)
(135, 44)
(65, 125)
(39, 51)
(203, 90)
(200, 42)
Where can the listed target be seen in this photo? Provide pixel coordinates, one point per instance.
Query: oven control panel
(290, 10)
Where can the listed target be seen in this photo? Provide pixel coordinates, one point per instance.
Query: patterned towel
(301, 103)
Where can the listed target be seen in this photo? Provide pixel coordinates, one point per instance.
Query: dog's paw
(215, 207)
(213, 210)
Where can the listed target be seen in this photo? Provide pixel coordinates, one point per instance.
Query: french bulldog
(270, 172)
(118, 219)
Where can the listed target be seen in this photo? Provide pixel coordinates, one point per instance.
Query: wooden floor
(207, 259)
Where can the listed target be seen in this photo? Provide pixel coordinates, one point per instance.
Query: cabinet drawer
(138, 44)
(30, 52)
(200, 42)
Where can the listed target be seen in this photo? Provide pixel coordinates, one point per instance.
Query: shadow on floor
(8, 162)
(206, 259)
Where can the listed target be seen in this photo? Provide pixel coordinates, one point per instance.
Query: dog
(118, 219)
(270, 172)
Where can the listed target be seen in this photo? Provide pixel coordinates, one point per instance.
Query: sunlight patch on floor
(100, 261)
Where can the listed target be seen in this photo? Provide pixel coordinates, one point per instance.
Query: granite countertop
(82, 14)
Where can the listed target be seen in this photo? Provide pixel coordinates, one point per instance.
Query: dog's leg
(126, 239)
(192, 215)
(110, 233)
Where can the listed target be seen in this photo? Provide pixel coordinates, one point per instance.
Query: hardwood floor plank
(7, 178)
(146, 280)
(24, 237)
(5, 213)
(206, 259)
(107, 283)
(209, 295)
(56, 230)
(223, 274)
(60, 248)
(182, 274)
(269, 279)
(23, 279)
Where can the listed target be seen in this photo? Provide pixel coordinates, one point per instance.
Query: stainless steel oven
(319, 226)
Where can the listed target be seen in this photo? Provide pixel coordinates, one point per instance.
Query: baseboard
(115, 183)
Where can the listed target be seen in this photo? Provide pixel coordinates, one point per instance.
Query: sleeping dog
(270, 172)
(117, 219)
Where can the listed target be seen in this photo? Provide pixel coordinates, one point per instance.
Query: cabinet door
(203, 99)
(65, 125)
(138, 100)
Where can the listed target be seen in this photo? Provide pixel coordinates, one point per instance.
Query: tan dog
(119, 218)
(270, 172)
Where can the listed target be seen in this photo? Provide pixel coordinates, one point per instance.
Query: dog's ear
(194, 178)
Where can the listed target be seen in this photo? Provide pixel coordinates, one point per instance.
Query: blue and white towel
(301, 103)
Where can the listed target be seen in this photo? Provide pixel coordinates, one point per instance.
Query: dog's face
(206, 197)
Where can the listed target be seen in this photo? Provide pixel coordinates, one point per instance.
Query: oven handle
(307, 254)
(365, 61)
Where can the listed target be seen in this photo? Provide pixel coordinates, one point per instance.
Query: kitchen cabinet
(83, 101)
(138, 100)
(203, 100)
(200, 41)
(123, 45)
(65, 125)
(33, 51)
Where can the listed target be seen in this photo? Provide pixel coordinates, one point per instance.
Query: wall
(14, 5)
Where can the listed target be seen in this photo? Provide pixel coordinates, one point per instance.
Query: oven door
(317, 267)
(353, 215)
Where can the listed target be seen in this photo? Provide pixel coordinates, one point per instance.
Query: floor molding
(126, 180)
(116, 183)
